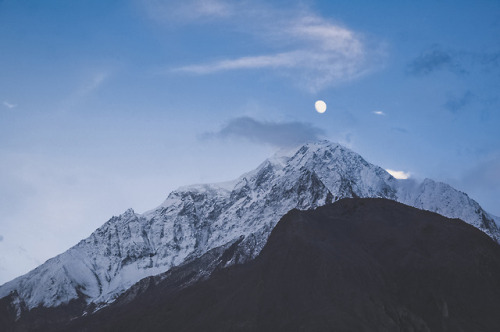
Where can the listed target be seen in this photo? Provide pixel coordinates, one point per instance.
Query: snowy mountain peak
(442, 198)
(196, 219)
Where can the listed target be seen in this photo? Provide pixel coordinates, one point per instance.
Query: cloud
(302, 45)
(249, 62)
(9, 105)
(86, 88)
(489, 60)
(434, 59)
(93, 84)
(455, 103)
(211, 8)
(399, 174)
(399, 130)
(188, 10)
(280, 134)
(460, 62)
(378, 112)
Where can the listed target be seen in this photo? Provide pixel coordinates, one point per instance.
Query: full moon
(320, 106)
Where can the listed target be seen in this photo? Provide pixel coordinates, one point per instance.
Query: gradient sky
(106, 105)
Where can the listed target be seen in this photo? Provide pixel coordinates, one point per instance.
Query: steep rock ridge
(196, 219)
(355, 265)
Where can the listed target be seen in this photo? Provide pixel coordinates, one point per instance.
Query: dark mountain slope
(195, 220)
(355, 265)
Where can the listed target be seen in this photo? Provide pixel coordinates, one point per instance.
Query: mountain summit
(200, 219)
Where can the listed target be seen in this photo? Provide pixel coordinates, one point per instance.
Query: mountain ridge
(362, 264)
(196, 219)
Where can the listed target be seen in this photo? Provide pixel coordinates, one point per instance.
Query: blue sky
(106, 105)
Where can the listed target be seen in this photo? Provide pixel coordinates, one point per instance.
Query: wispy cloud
(93, 84)
(437, 58)
(399, 130)
(213, 8)
(401, 175)
(250, 62)
(434, 59)
(280, 134)
(378, 113)
(86, 88)
(304, 45)
(456, 103)
(489, 60)
(9, 105)
(188, 10)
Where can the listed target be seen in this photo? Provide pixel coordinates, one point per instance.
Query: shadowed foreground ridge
(205, 220)
(355, 265)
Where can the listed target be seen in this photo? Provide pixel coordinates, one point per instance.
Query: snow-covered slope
(195, 219)
(442, 198)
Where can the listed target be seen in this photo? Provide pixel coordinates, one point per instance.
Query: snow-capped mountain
(195, 219)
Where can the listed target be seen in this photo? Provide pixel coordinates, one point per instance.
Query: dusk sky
(107, 105)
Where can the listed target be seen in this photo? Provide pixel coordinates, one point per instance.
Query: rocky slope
(355, 265)
(196, 219)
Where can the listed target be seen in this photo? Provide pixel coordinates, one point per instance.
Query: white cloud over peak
(399, 174)
(280, 134)
(378, 112)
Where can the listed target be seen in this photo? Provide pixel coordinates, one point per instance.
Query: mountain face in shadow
(355, 265)
(205, 221)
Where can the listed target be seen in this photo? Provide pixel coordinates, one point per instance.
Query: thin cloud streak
(188, 10)
(212, 8)
(9, 105)
(399, 130)
(379, 113)
(94, 84)
(314, 51)
(87, 88)
(250, 62)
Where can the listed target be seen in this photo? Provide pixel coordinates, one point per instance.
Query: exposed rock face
(196, 219)
(355, 265)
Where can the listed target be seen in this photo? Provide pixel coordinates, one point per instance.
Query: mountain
(201, 219)
(354, 265)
